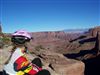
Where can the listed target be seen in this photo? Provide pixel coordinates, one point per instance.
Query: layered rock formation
(89, 51)
(53, 41)
(98, 42)
(92, 61)
(93, 31)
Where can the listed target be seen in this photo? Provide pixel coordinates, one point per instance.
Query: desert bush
(39, 47)
(5, 40)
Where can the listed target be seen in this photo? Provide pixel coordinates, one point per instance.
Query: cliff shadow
(87, 40)
(92, 65)
(81, 54)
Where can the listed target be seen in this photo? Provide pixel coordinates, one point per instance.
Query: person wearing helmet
(18, 63)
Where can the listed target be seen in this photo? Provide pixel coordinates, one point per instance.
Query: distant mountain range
(75, 30)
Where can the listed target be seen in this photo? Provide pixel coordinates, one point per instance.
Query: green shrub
(5, 40)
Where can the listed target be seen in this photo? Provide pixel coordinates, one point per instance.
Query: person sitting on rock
(18, 63)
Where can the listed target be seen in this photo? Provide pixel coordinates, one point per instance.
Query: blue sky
(49, 15)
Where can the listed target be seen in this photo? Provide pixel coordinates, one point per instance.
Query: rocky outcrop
(89, 51)
(62, 65)
(92, 66)
(88, 41)
(97, 45)
(77, 68)
(98, 40)
(93, 31)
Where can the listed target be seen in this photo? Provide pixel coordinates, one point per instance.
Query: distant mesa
(76, 30)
